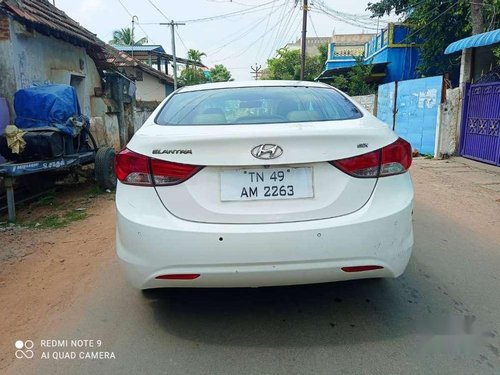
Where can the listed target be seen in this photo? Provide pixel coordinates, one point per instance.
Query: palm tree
(124, 37)
(195, 55)
(193, 75)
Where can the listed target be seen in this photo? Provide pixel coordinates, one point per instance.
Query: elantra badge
(267, 151)
(183, 152)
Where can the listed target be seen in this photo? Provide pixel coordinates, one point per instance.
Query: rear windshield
(256, 105)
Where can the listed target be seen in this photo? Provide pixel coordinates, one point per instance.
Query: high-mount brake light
(390, 160)
(136, 169)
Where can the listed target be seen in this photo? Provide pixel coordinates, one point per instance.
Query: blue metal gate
(385, 103)
(480, 139)
(416, 110)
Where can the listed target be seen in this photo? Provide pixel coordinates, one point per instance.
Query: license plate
(266, 184)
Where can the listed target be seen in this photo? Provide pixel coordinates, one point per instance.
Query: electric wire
(281, 17)
(230, 2)
(320, 4)
(232, 38)
(158, 9)
(236, 37)
(293, 31)
(358, 20)
(182, 41)
(138, 24)
(289, 30)
(312, 24)
(275, 43)
(250, 45)
(340, 19)
(282, 33)
(288, 34)
(254, 9)
(265, 31)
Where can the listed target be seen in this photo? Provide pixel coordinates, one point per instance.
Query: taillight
(132, 168)
(396, 158)
(388, 161)
(366, 165)
(136, 169)
(168, 173)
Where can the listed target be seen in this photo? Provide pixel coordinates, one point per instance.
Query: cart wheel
(104, 168)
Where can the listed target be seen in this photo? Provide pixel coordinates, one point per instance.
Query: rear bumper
(152, 242)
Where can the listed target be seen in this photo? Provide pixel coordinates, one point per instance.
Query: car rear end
(230, 188)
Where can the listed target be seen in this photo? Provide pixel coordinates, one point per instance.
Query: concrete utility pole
(132, 42)
(256, 70)
(303, 40)
(172, 25)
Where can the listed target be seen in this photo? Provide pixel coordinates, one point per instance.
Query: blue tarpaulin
(47, 106)
(479, 40)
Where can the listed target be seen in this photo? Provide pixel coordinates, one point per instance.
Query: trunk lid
(227, 149)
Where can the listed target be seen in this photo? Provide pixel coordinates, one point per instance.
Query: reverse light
(136, 169)
(390, 160)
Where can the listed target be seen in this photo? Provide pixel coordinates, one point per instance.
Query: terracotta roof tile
(48, 19)
(43, 14)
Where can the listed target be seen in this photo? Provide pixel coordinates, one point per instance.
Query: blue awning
(479, 40)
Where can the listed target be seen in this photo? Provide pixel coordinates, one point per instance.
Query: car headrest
(285, 107)
(303, 116)
(213, 111)
(209, 119)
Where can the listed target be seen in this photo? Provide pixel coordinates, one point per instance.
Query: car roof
(256, 83)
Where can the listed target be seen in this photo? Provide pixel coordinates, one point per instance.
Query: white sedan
(249, 184)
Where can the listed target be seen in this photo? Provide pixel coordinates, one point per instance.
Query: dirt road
(442, 316)
(49, 271)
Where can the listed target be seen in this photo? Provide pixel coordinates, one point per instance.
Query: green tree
(436, 24)
(219, 73)
(286, 66)
(323, 53)
(496, 52)
(193, 75)
(195, 55)
(355, 82)
(124, 37)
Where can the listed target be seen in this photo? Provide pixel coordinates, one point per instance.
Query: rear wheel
(104, 168)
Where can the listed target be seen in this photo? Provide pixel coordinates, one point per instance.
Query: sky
(237, 41)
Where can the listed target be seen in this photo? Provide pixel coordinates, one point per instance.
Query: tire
(104, 168)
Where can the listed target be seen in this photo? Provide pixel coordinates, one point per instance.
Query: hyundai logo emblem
(267, 151)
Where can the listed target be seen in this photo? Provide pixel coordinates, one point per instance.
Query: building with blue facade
(392, 53)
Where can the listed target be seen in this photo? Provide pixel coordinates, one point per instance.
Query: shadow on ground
(312, 315)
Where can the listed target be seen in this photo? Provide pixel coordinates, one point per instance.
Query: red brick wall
(4, 27)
